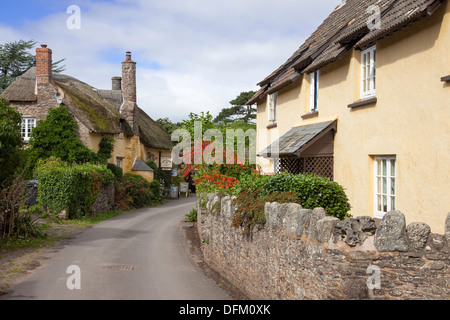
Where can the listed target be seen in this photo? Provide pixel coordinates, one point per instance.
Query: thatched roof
(345, 28)
(152, 134)
(98, 110)
(85, 104)
(23, 88)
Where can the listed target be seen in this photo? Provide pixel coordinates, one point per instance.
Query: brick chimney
(43, 65)
(129, 109)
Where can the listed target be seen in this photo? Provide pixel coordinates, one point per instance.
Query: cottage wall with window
(390, 101)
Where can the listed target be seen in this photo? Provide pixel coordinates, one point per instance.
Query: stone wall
(303, 254)
(105, 200)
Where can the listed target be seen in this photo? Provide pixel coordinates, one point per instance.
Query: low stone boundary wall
(303, 254)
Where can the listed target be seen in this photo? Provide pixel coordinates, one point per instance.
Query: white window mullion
(314, 91)
(27, 126)
(385, 185)
(368, 72)
(272, 106)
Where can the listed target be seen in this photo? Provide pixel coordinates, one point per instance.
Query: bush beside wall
(72, 188)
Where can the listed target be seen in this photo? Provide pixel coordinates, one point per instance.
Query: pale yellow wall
(119, 145)
(410, 120)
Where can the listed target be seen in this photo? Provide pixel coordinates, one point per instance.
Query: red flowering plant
(222, 175)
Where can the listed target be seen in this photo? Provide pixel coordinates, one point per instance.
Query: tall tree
(167, 125)
(15, 59)
(10, 141)
(239, 110)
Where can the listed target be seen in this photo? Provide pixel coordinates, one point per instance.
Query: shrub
(139, 190)
(313, 191)
(73, 188)
(10, 142)
(13, 221)
(155, 188)
(116, 170)
(192, 215)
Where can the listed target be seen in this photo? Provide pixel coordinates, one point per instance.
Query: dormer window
(368, 72)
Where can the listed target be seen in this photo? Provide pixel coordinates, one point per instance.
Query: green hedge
(73, 188)
(313, 191)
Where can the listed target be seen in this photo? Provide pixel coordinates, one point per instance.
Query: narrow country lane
(137, 255)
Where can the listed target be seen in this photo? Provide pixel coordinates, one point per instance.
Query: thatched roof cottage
(98, 113)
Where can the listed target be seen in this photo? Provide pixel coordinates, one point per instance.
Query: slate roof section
(296, 139)
(345, 28)
(140, 165)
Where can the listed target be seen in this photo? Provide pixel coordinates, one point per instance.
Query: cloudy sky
(192, 55)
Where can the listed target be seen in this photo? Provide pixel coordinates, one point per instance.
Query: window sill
(272, 125)
(310, 115)
(363, 102)
(445, 79)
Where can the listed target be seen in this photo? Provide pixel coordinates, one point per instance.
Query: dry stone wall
(303, 254)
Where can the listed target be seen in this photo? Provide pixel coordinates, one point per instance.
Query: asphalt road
(141, 255)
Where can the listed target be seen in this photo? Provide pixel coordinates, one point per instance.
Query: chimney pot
(128, 56)
(43, 65)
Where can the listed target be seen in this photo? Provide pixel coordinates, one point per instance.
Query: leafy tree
(238, 110)
(206, 120)
(57, 136)
(167, 125)
(16, 59)
(10, 141)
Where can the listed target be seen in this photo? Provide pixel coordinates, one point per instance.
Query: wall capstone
(391, 233)
(418, 233)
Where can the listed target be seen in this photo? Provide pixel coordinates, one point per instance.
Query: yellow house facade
(369, 107)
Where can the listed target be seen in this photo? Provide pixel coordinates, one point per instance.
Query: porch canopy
(297, 140)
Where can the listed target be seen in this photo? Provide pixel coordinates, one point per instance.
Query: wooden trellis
(321, 166)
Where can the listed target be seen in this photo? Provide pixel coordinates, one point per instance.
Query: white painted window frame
(28, 124)
(314, 91)
(272, 106)
(368, 72)
(385, 185)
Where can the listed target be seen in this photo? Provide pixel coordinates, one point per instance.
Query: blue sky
(192, 55)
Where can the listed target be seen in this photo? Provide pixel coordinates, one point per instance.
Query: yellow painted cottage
(365, 101)
(99, 113)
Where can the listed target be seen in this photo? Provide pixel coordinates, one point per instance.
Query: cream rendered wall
(119, 145)
(410, 120)
(288, 115)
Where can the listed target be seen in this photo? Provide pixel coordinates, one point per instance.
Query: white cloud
(208, 51)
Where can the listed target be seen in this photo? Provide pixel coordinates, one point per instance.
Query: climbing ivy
(73, 188)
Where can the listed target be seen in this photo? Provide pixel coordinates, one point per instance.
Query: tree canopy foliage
(16, 59)
(239, 110)
(57, 136)
(10, 141)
